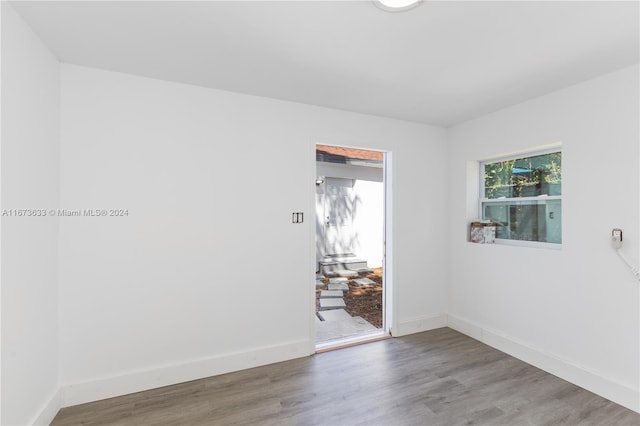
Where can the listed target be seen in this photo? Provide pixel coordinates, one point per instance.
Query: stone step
(339, 286)
(334, 315)
(325, 294)
(338, 280)
(342, 273)
(330, 265)
(328, 260)
(332, 304)
(363, 281)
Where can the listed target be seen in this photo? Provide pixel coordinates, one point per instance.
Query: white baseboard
(95, 390)
(612, 390)
(80, 393)
(417, 325)
(49, 411)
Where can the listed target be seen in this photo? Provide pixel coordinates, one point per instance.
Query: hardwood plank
(438, 377)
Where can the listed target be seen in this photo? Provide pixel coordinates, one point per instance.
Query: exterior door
(339, 205)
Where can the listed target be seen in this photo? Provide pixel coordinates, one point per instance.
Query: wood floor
(439, 377)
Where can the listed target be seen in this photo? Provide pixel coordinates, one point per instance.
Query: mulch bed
(362, 301)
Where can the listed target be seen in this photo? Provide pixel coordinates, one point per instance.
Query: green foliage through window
(523, 197)
(524, 177)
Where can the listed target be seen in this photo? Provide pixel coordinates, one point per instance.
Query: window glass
(524, 177)
(522, 196)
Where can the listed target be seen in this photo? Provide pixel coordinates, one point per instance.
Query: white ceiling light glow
(396, 5)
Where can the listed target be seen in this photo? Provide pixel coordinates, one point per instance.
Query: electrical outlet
(616, 235)
(616, 238)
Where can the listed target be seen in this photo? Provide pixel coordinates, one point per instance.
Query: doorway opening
(352, 290)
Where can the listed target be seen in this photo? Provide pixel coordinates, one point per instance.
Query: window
(523, 197)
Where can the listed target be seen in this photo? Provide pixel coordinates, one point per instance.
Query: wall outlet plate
(616, 234)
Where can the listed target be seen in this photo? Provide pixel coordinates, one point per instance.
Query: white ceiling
(441, 63)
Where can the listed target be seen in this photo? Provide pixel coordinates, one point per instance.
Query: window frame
(483, 200)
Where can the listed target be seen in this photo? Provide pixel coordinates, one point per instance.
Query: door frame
(389, 289)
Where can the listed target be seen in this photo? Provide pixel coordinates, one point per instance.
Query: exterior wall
(368, 222)
(575, 311)
(30, 180)
(368, 211)
(371, 174)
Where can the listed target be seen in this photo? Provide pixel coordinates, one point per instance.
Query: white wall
(29, 174)
(574, 312)
(207, 274)
(368, 221)
(368, 210)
